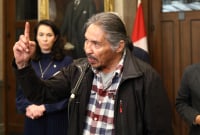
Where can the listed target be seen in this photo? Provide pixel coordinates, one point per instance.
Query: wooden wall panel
(195, 40)
(168, 57)
(179, 47)
(190, 39)
(171, 61)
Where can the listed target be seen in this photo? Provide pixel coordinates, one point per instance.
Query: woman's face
(46, 38)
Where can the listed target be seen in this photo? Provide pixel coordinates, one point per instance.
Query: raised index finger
(27, 30)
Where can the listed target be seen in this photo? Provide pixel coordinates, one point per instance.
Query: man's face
(98, 50)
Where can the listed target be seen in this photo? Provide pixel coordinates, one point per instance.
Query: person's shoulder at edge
(191, 67)
(141, 54)
(68, 58)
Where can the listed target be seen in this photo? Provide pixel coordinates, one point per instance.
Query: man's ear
(121, 46)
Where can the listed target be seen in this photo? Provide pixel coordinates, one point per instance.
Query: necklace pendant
(43, 72)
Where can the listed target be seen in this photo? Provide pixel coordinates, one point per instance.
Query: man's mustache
(91, 57)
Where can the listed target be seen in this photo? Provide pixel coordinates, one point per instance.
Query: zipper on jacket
(121, 112)
(120, 107)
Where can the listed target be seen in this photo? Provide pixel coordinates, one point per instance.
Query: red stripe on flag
(139, 26)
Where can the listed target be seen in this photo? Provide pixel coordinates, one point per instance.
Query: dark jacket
(146, 109)
(187, 100)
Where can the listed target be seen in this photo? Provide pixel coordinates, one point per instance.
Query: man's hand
(24, 48)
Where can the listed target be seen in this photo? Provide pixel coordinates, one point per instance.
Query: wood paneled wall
(178, 46)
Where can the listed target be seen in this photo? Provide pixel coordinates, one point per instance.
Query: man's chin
(93, 65)
(98, 68)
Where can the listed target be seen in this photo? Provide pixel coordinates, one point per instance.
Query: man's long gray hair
(112, 25)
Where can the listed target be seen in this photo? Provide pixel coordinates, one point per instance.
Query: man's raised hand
(24, 48)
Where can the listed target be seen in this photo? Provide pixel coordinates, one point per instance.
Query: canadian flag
(139, 37)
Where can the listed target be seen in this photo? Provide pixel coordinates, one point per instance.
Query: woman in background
(45, 119)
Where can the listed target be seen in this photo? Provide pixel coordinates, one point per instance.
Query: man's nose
(88, 46)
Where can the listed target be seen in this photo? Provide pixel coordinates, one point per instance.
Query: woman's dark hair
(57, 50)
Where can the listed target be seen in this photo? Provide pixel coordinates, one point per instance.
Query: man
(119, 94)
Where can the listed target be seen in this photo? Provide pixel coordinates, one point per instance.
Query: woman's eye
(49, 35)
